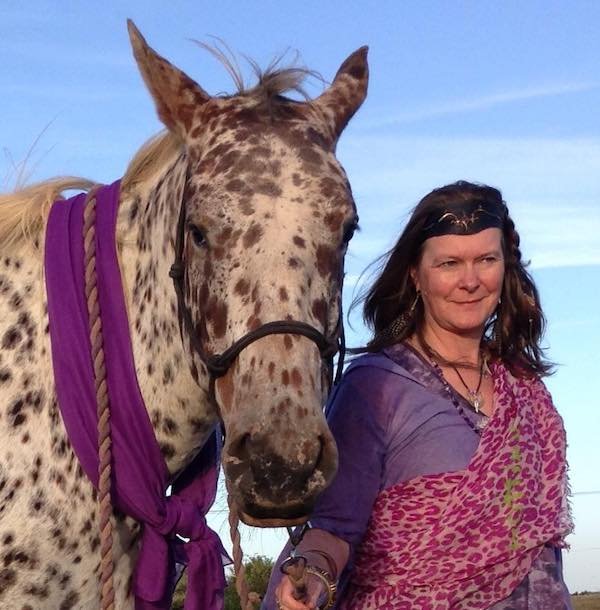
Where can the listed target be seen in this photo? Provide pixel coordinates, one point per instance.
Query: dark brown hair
(514, 331)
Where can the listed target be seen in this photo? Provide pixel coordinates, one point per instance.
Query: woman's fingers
(285, 595)
(286, 600)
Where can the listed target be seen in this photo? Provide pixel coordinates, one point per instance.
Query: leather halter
(217, 365)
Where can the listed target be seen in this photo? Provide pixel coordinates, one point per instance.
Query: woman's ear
(414, 278)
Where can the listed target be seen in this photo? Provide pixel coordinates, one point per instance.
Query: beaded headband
(466, 219)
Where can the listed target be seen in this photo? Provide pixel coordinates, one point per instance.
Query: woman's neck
(453, 347)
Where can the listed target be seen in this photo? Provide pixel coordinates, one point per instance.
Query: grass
(582, 601)
(586, 601)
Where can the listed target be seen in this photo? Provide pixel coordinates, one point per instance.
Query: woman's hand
(287, 601)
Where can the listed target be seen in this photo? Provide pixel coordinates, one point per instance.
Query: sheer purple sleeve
(357, 419)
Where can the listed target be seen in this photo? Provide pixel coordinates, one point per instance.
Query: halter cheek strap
(217, 365)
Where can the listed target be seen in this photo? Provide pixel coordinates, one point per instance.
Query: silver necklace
(477, 426)
(473, 397)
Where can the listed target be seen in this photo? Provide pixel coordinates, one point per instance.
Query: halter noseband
(217, 365)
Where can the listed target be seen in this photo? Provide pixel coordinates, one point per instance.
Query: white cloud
(557, 235)
(551, 186)
(483, 102)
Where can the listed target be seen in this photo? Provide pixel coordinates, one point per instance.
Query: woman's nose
(469, 279)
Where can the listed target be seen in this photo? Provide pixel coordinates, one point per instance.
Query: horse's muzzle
(278, 483)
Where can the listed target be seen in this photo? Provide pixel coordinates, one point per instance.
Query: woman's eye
(197, 235)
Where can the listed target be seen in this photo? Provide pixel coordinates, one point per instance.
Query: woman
(451, 490)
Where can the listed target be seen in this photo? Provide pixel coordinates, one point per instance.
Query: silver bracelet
(330, 586)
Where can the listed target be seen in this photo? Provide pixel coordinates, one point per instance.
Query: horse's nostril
(320, 455)
(238, 449)
(327, 461)
(236, 457)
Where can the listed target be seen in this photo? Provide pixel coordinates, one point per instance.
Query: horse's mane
(22, 212)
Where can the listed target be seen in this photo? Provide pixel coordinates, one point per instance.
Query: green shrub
(258, 571)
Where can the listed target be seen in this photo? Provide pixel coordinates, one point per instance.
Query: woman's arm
(339, 520)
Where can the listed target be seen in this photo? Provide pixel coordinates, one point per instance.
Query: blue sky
(504, 93)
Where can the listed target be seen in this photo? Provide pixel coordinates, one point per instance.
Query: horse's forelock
(272, 82)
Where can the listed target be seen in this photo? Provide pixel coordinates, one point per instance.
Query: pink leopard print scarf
(464, 540)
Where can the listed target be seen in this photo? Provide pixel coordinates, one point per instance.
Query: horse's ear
(176, 95)
(347, 91)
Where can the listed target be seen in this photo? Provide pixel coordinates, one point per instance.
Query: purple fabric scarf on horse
(140, 475)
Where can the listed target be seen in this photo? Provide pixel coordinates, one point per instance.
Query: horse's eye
(197, 235)
(349, 230)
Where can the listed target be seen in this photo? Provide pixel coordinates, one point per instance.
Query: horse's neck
(179, 411)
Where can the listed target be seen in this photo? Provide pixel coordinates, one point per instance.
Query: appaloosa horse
(268, 214)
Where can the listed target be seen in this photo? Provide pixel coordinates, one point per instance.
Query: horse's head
(268, 213)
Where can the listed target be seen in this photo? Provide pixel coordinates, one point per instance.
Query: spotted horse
(267, 215)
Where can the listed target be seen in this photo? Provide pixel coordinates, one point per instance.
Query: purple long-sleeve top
(390, 429)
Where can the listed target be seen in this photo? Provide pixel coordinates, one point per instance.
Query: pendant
(476, 399)
(480, 425)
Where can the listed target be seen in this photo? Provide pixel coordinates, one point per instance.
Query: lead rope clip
(295, 565)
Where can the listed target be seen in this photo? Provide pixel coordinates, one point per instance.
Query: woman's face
(460, 278)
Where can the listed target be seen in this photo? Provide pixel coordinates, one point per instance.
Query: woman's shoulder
(519, 379)
(380, 395)
(392, 360)
(373, 378)
(382, 384)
